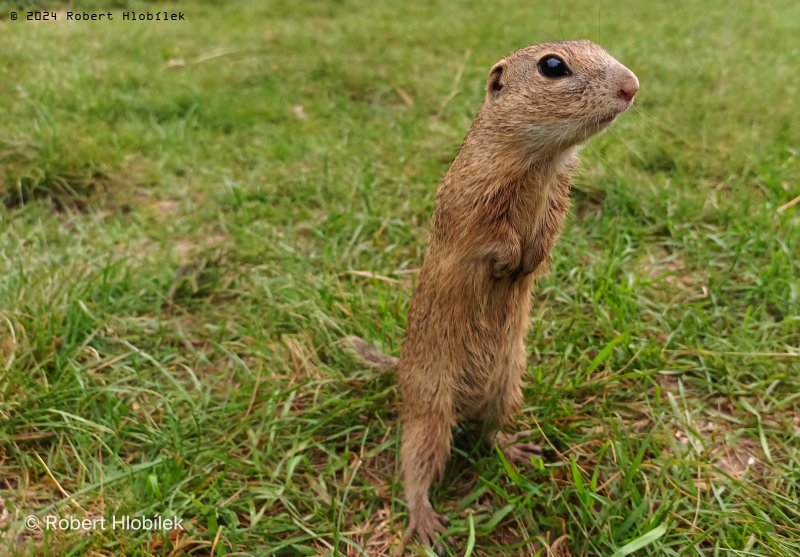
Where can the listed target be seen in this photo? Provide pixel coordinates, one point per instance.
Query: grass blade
(642, 541)
(471, 538)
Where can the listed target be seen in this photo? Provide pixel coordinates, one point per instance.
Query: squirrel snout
(628, 88)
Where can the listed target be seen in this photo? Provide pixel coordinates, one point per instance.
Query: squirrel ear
(495, 85)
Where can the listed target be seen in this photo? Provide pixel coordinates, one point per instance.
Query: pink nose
(628, 88)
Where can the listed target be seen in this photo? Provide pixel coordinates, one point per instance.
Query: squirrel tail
(368, 354)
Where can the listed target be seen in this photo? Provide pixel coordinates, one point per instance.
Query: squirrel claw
(514, 450)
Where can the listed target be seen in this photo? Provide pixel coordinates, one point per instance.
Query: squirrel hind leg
(424, 452)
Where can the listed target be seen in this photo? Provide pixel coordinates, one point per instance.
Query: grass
(191, 214)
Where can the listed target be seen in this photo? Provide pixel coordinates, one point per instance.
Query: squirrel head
(553, 96)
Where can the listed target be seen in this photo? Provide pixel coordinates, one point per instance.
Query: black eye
(553, 66)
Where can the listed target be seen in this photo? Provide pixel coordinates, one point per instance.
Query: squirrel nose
(628, 88)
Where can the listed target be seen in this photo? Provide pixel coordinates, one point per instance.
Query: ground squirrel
(498, 212)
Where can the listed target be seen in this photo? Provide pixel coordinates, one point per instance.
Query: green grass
(180, 250)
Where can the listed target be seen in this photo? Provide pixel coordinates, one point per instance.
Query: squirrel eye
(553, 66)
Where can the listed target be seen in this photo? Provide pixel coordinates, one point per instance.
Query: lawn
(194, 213)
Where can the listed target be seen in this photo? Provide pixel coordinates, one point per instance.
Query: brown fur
(498, 213)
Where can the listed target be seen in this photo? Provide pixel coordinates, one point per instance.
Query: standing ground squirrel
(498, 212)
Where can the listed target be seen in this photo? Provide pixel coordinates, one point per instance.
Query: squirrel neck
(493, 156)
(498, 175)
